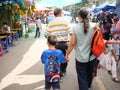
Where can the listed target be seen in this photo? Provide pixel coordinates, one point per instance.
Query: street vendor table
(3, 44)
(1, 37)
(14, 35)
(7, 33)
(19, 30)
(16, 29)
(10, 37)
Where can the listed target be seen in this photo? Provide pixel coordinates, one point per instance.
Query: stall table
(19, 30)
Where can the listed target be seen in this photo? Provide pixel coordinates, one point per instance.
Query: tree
(85, 3)
(111, 1)
(76, 7)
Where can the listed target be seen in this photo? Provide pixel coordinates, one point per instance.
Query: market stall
(15, 13)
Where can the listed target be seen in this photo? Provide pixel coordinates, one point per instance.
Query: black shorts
(62, 46)
(54, 85)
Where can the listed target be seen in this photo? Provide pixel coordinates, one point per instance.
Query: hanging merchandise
(24, 12)
(33, 7)
(21, 5)
(29, 12)
(4, 6)
(37, 12)
(25, 8)
(16, 5)
(16, 17)
(28, 2)
(19, 12)
(9, 7)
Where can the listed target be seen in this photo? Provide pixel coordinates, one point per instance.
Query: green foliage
(111, 1)
(76, 7)
(85, 3)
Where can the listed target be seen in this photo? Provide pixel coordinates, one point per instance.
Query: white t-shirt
(38, 23)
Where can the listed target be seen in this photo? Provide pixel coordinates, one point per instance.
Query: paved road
(21, 69)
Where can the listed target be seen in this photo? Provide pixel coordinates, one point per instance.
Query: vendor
(5, 31)
(5, 27)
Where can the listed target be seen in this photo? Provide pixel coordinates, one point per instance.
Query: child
(114, 54)
(107, 61)
(51, 59)
(104, 59)
(109, 58)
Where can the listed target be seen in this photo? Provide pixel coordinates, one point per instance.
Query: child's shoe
(116, 80)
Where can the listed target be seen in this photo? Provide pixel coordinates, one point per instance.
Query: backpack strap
(95, 32)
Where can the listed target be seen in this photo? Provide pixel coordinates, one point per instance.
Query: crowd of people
(60, 45)
(80, 40)
(109, 24)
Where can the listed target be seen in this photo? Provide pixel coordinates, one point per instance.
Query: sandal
(116, 80)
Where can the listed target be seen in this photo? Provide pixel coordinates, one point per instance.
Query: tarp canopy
(110, 7)
(58, 3)
(105, 7)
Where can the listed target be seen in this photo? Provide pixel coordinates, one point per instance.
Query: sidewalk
(21, 69)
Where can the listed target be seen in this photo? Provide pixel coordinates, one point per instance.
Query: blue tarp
(105, 7)
(58, 3)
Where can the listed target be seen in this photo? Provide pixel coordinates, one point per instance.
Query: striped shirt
(59, 23)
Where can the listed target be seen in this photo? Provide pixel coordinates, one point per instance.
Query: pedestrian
(114, 54)
(51, 58)
(108, 61)
(81, 39)
(59, 27)
(6, 31)
(107, 24)
(5, 27)
(38, 27)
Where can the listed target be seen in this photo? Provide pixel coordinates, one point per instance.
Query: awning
(105, 7)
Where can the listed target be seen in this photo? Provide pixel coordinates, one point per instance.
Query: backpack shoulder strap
(94, 34)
